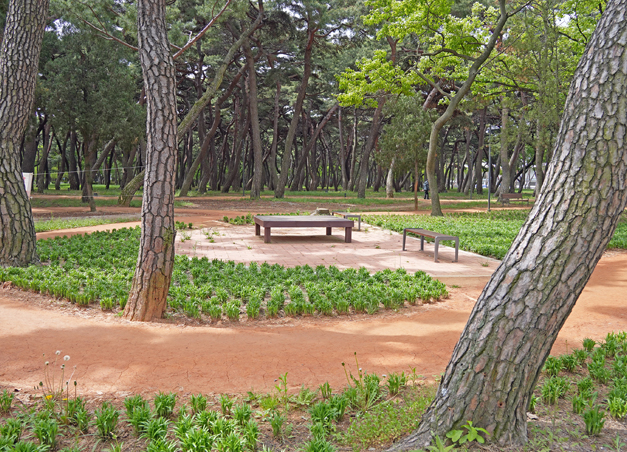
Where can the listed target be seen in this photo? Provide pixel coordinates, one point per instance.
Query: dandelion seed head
(47, 362)
(58, 352)
(66, 358)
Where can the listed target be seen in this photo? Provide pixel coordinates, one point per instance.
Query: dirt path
(115, 356)
(118, 357)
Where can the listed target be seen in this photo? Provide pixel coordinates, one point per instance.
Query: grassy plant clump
(164, 404)
(98, 268)
(106, 419)
(6, 400)
(489, 234)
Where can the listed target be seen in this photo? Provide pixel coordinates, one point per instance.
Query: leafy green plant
(197, 440)
(139, 417)
(594, 419)
(472, 434)
(366, 391)
(599, 372)
(617, 407)
(440, 446)
(161, 446)
(198, 402)
(164, 404)
(106, 419)
(579, 403)
(277, 420)
(553, 366)
(533, 401)
(6, 400)
(155, 429)
(281, 390)
(569, 362)
(226, 404)
(46, 431)
(318, 445)
(323, 413)
(580, 355)
(554, 388)
(11, 431)
(304, 397)
(251, 434)
(325, 390)
(588, 344)
(133, 402)
(242, 413)
(395, 381)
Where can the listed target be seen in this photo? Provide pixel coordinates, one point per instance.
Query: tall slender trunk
(19, 57)
(255, 192)
(351, 177)
(286, 163)
(510, 332)
(43, 160)
(151, 282)
(370, 144)
(540, 133)
(505, 180)
(72, 171)
(90, 158)
(342, 150)
(389, 181)
(274, 178)
(62, 160)
(478, 179)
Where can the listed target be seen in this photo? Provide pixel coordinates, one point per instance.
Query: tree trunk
(255, 192)
(43, 161)
(370, 144)
(279, 191)
(62, 161)
(510, 332)
(351, 175)
(389, 182)
(19, 57)
(151, 282)
(505, 181)
(274, 178)
(90, 158)
(72, 171)
(478, 179)
(540, 133)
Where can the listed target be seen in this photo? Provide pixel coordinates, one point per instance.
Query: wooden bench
(505, 198)
(267, 222)
(350, 215)
(433, 235)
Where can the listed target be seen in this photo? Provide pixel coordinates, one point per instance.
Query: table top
(303, 220)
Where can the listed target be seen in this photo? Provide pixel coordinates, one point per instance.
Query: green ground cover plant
(489, 234)
(98, 268)
(323, 419)
(248, 425)
(54, 224)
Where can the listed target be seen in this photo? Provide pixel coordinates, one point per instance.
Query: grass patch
(55, 224)
(388, 421)
(489, 234)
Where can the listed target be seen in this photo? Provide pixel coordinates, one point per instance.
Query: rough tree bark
(151, 282)
(510, 332)
(19, 57)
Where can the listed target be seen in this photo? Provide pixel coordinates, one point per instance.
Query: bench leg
(404, 237)
(348, 234)
(359, 223)
(422, 243)
(328, 231)
(257, 229)
(437, 244)
(266, 235)
(456, 249)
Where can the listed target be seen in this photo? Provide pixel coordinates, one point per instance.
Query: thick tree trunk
(151, 282)
(19, 57)
(286, 163)
(510, 332)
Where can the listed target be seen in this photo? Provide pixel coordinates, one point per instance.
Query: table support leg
(328, 231)
(266, 235)
(404, 238)
(257, 229)
(348, 234)
(456, 248)
(437, 244)
(422, 243)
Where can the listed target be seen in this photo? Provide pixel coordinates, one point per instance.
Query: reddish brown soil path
(113, 355)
